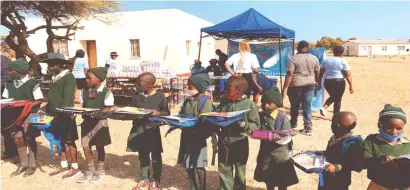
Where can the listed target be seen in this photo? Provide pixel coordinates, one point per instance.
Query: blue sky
(310, 20)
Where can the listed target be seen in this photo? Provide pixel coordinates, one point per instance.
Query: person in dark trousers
(274, 166)
(222, 59)
(300, 83)
(21, 87)
(10, 149)
(95, 132)
(145, 135)
(344, 152)
(262, 84)
(193, 153)
(233, 144)
(213, 67)
(381, 150)
(335, 70)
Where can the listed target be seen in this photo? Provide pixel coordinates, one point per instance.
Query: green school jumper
(61, 94)
(233, 148)
(97, 129)
(24, 92)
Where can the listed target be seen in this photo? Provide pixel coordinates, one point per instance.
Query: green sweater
(24, 92)
(234, 133)
(374, 150)
(61, 93)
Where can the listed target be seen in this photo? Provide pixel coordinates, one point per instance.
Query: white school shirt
(109, 98)
(250, 62)
(113, 65)
(37, 94)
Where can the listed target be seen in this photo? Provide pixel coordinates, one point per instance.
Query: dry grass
(377, 82)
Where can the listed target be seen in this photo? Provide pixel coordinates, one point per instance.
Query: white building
(169, 34)
(376, 47)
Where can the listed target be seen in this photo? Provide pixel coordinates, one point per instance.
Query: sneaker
(58, 170)
(323, 112)
(97, 176)
(19, 171)
(142, 185)
(154, 185)
(307, 132)
(86, 177)
(30, 171)
(72, 173)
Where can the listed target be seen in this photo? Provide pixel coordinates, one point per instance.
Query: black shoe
(19, 171)
(30, 171)
(58, 170)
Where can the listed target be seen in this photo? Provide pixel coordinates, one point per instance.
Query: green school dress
(96, 131)
(193, 151)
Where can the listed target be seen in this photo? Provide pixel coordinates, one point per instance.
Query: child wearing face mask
(274, 166)
(344, 152)
(233, 145)
(383, 170)
(145, 135)
(193, 153)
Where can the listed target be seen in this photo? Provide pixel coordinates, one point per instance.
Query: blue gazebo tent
(249, 25)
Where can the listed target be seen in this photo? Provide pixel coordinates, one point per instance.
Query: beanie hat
(19, 65)
(100, 72)
(273, 95)
(201, 81)
(390, 111)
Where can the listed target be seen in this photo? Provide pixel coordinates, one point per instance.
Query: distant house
(376, 47)
(168, 34)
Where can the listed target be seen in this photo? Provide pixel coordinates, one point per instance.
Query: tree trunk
(50, 38)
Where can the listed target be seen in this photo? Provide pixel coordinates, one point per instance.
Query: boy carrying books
(21, 87)
(274, 166)
(193, 153)
(344, 151)
(145, 135)
(380, 151)
(233, 142)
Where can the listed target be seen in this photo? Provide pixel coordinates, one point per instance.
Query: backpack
(356, 139)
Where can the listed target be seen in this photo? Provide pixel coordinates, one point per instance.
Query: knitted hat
(19, 65)
(201, 81)
(100, 72)
(390, 111)
(273, 95)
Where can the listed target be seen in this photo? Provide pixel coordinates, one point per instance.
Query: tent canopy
(249, 25)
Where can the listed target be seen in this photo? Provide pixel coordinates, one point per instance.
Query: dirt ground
(376, 82)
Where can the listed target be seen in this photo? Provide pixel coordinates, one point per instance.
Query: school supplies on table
(76, 109)
(310, 161)
(38, 119)
(279, 136)
(223, 119)
(224, 114)
(177, 120)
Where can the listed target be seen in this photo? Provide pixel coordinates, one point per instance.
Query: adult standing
(301, 80)
(244, 63)
(111, 63)
(79, 70)
(335, 70)
(222, 59)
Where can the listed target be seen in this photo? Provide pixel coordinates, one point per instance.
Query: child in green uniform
(145, 135)
(61, 94)
(344, 152)
(95, 132)
(274, 166)
(21, 87)
(193, 153)
(380, 151)
(233, 143)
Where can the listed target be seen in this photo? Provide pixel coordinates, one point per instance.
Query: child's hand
(330, 168)
(388, 160)
(155, 113)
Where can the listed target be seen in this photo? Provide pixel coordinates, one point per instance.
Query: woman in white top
(79, 69)
(244, 64)
(335, 70)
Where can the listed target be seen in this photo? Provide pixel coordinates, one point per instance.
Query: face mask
(15, 76)
(141, 90)
(190, 93)
(388, 137)
(268, 111)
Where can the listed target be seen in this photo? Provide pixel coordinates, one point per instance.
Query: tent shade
(249, 25)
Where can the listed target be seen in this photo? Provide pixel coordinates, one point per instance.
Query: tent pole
(293, 46)
(200, 45)
(280, 68)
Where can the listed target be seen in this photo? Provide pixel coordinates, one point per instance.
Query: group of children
(345, 151)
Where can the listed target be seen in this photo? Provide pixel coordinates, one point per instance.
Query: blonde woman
(244, 63)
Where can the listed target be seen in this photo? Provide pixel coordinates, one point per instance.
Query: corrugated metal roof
(378, 42)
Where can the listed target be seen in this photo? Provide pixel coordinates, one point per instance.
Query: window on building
(135, 48)
(188, 46)
(61, 46)
(384, 48)
(401, 48)
(363, 48)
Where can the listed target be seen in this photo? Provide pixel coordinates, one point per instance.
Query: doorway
(92, 53)
(369, 50)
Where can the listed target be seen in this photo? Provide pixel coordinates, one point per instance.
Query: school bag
(355, 139)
